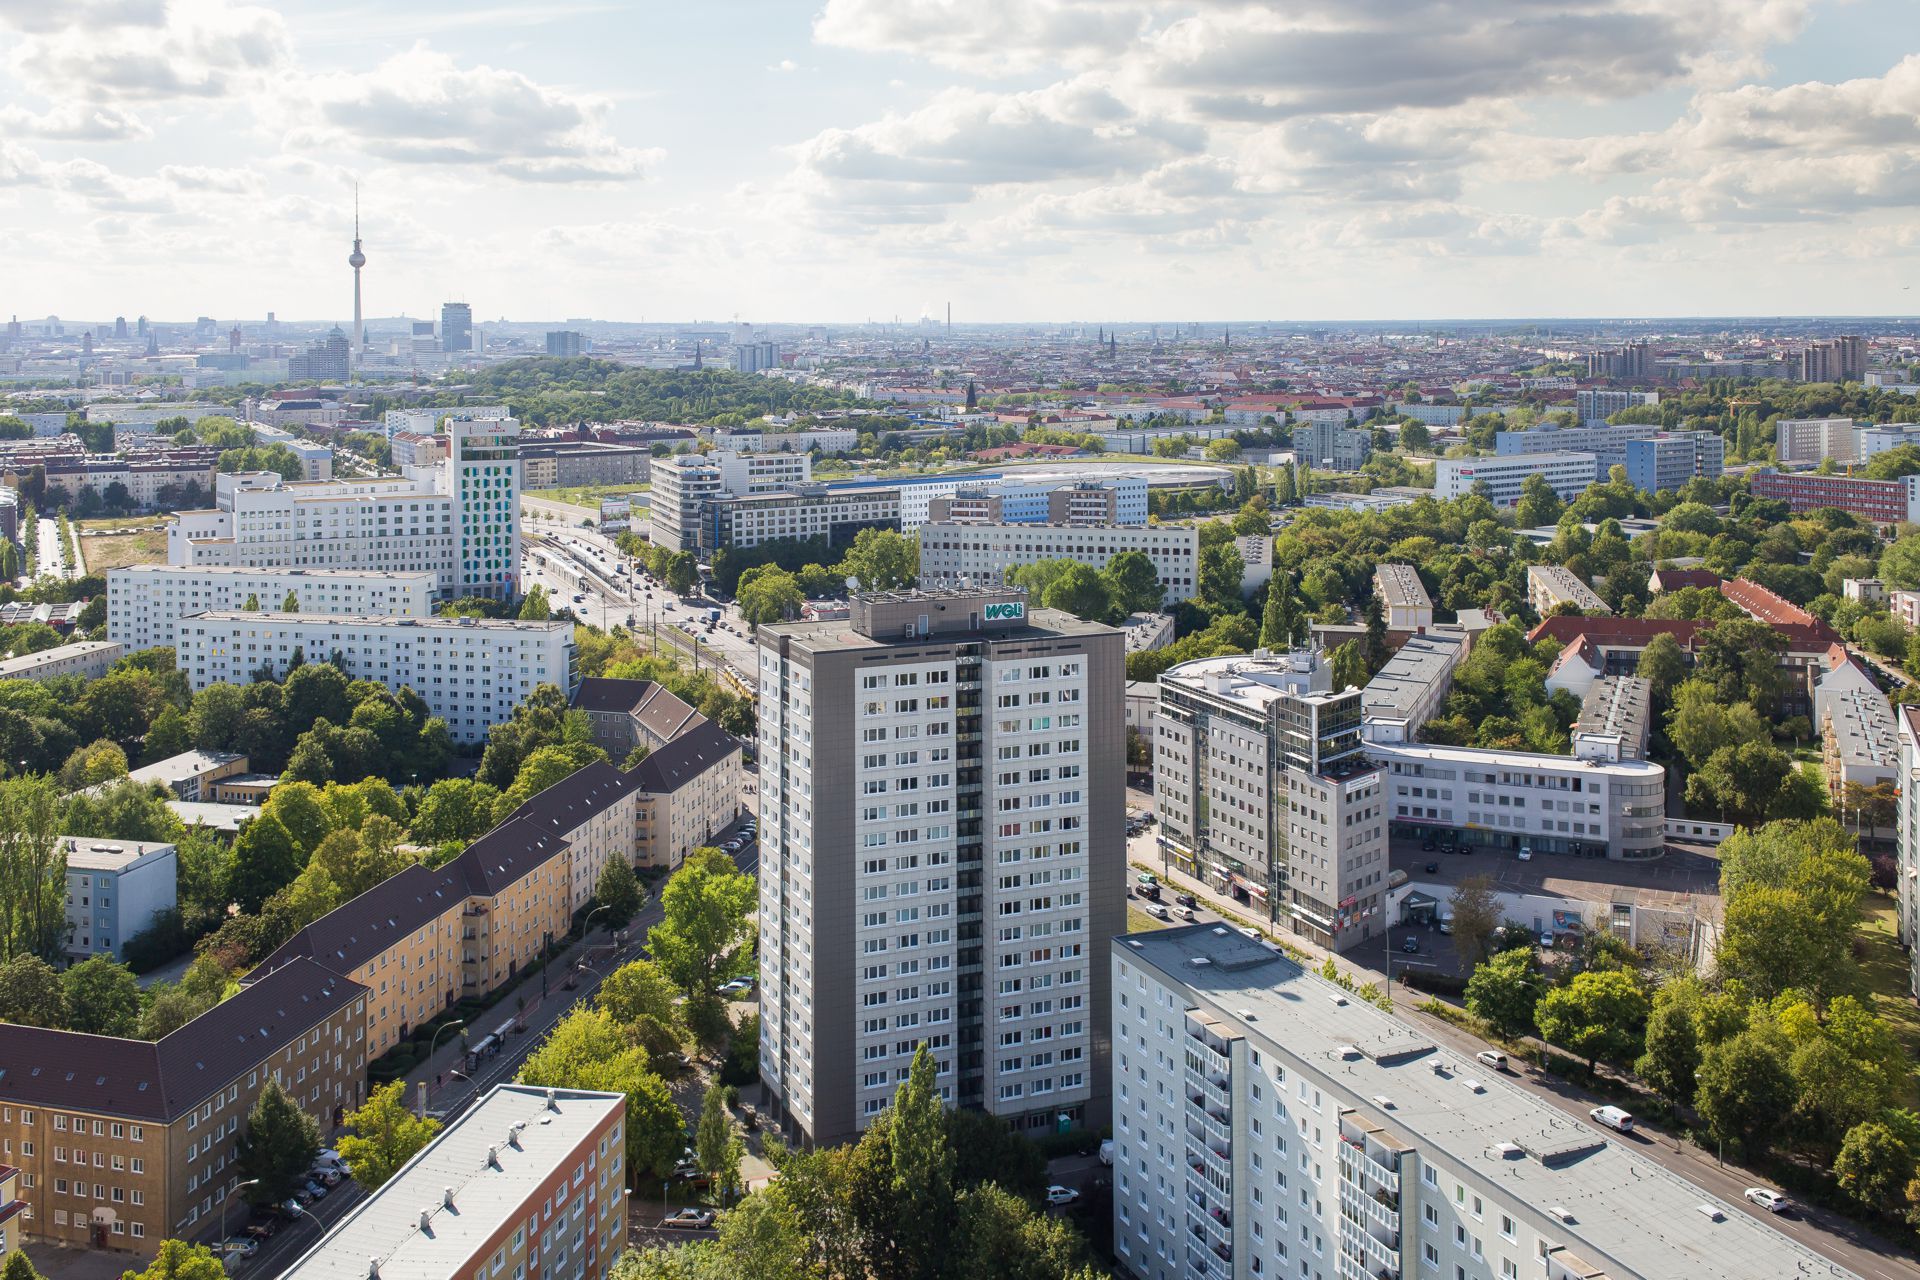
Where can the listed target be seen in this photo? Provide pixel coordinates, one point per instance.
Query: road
(53, 550)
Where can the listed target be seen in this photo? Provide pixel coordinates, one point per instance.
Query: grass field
(586, 495)
(1884, 966)
(1139, 921)
(115, 544)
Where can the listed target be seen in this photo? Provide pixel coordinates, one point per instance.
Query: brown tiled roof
(598, 693)
(688, 756)
(582, 794)
(356, 931)
(1677, 579)
(160, 1080)
(1635, 632)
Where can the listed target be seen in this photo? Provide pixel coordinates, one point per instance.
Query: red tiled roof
(1630, 633)
(1679, 579)
(1765, 606)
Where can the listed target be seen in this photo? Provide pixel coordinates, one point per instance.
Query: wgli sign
(1006, 612)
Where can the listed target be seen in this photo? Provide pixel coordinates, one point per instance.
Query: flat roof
(838, 633)
(59, 653)
(490, 1161)
(1406, 677)
(88, 853)
(1400, 585)
(1629, 1215)
(390, 620)
(1623, 705)
(240, 570)
(1447, 755)
(187, 764)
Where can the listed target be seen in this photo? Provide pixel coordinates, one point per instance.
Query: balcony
(1209, 1129)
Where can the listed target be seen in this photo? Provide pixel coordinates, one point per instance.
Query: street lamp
(433, 1045)
(227, 1203)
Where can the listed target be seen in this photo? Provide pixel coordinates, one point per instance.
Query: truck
(713, 616)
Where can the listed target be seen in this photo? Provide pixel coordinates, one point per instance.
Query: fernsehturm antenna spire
(357, 260)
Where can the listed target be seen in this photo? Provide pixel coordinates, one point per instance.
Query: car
(668, 606)
(1433, 868)
(1250, 931)
(1057, 1194)
(1147, 879)
(1410, 945)
(1186, 899)
(1767, 1198)
(245, 1246)
(315, 1190)
(1106, 1151)
(688, 1220)
(1613, 1118)
(1491, 1058)
(292, 1208)
(1185, 913)
(327, 1176)
(731, 846)
(1526, 853)
(738, 985)
(1158, 911)
(1445, 926)
(1426, 846)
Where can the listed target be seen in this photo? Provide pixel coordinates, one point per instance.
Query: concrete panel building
(942, 844)
(1410, 687)
(146, 602)
(89, 659)
(470, 671)
(115, 889)
(1403, 597)
(1808, 440)
(1668, 462)
(1550, 586)
(1268, 1124)
(1859, 740)
(1616, 718)
(987, 553)
(1568, 474)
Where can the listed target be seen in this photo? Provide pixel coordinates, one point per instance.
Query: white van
(1612, 1117)
(1492, 1058)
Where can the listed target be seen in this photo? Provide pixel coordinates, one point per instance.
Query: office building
(987, 553)
(1568, 474)
(456, 327)
(426, 422)
(1881, 502)
(1616, 717)
(146, 602)
(116, 889)
(156, 1120)
(753, 357)
(685, 484)
(565, 342)
(458, 519)
(1595, 405)
(812, 511)
(1410, 687)
(1859, 742)
(553, 464)
(1836, 360)
(941, 847)
(1809, 440)
(1269, 1124)
(1667, 462)
(1552, 586)
(1332, 446)
(528, 1179)
(1264, 790)
(1403, 597)
(316, 460)
(89, 659)
(471, 672)
(1608, 445)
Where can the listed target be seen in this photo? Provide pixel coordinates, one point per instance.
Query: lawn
(115, 544)
(1884, 966)
(1139, 921)
(587, 495)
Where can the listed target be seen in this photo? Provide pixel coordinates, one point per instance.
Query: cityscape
(514, 756)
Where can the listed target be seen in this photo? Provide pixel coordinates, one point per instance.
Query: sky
(1023, 160)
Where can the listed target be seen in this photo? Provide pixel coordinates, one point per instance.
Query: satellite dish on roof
(853, 582)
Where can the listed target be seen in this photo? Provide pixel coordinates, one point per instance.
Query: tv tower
(357, 260)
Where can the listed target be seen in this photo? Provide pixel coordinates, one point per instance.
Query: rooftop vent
(373, 1268)
(446, 1193)
(1561, 1212)
(1509, 1150)
(426, 1219)
(1347, 1051)
(1474, 1086)
(1198, 962)
(1383, 1102)
(1712, 1214)
(553, 1100)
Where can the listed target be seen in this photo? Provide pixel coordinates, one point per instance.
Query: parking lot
(1683, 871)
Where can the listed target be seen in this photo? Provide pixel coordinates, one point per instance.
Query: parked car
(1526, 853)
(1492, 1058)
(315, 1190)
(1410, 945)
(688, 1220)
(1106, 1151)
(245, 1246)
(1157, 911)
(1426, 846)
(1770, 1200)
(1058, 1194)
(327, 1175)
(1185, 913)
(1613, 1118)
(1186, 899)
(1433, 868)
(739, 986)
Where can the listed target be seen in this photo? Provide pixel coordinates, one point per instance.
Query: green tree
(588, 1050)
(769, 594)
(882, 559)
(102, 997)
(1663, 665)
(920, 1171)
(31, 993)
(265, 861)
(278, 1145)
(383, 1135)
(534, 607)
(456, 809)
(986, 1149)
(642, 999)
(168, 735)
(17, 1267)
(1475, 908)
(1743, 1091)
(1744, 784)
(707, 906)
(1539, 505)
(1874, 1166)
(1349, 666)
(714, 1138)
(1083, 592)
(1221, 572)
(1596, 1015)
(1702, 723)
(178, 1260)
(33, 869)
(618, 890)
(1504, 991)
(1672, 1055)
(290, 603)
(97, 762)
(1134, 583)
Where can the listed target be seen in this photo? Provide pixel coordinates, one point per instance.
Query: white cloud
(422, 108)
(199, 49)
(992, 37)
(35, 16)
(74, 122)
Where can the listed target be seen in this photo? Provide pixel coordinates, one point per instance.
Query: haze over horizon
(1031, 161)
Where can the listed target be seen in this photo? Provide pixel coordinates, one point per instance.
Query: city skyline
(1030, 162)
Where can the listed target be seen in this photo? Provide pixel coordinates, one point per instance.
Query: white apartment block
(146, 602)
(828, 440)
(1568, 473)
(471, 672)
(115, 890)
(941, 845)
(1551, 585)
(458, 519)
(90, 659)
(1808, 440)
(986, 553)
(1907, 736)
(1268, 1126)
(1403, 597)
(1264, 790)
